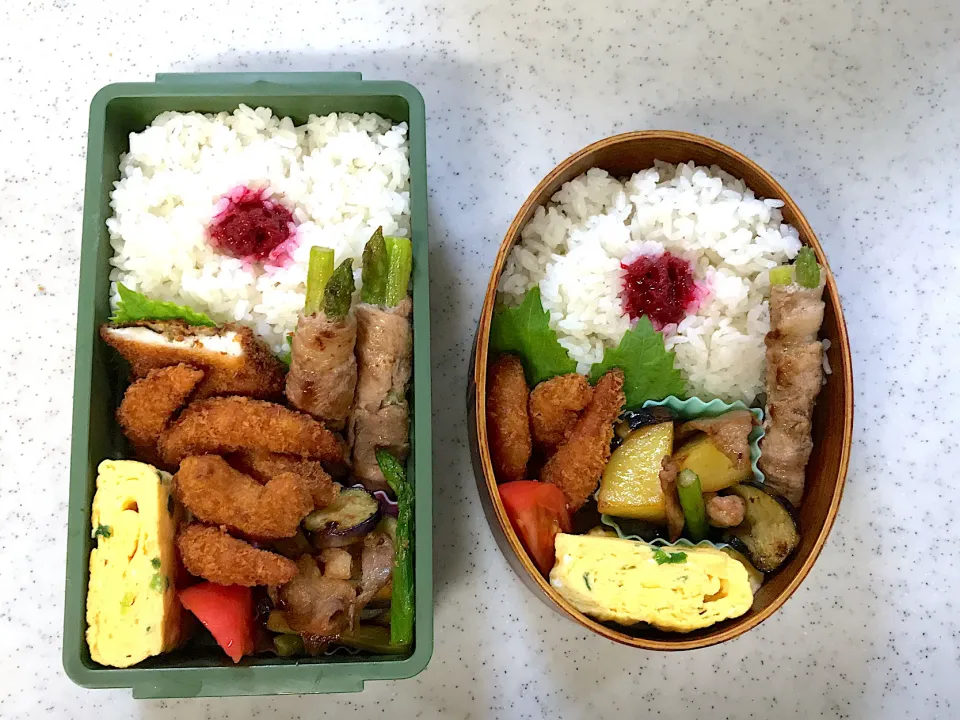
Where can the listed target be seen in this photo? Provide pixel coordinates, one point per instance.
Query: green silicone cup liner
(611, 523)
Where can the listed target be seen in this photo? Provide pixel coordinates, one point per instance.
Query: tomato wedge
(226, 611)
(537, 511)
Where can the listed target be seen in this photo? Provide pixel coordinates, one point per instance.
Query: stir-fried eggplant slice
(354, 514)
(767, 534)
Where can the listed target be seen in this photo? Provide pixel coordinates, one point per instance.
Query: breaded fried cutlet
(576, 466)
(234, 360)
(218, 494)
(508, 419)
(263, 466)
(210, 553)
(150, 402)
(555, 405)
(228, 424)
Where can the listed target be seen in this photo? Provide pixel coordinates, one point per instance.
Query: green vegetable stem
(691, 500)
(374, 273)
(808, 272)
(319, 271)
(401, 606)
(372, 638)
(401, 263)
(288, 645)
(782, 275)
(277, 622)
(339, 291)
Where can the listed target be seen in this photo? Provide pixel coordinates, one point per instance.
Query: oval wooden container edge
(622, 155)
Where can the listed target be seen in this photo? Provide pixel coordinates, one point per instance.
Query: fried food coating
(263, 466)
(150, 402)
(555, 405)
(210, 553)
(576, 466)
(217, 493)
(228, 424)
(508, 419)
(234, 360)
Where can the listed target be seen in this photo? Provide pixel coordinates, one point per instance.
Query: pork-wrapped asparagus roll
(323, 368)
(381, 415)
(794, 375)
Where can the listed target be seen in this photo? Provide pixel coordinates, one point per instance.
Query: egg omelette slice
(629, 582)
(132, 609)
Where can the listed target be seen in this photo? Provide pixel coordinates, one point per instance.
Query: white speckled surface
(852, 105)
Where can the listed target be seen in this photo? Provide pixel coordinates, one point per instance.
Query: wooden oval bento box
(623, 155)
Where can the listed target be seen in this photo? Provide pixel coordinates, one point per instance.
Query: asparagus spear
(288, 645)
(808, 271)
(781, 275)
(401, 605)
(401, 263)
(339, 291)
(376, 263)
(691, 500)
(318, 274)
(370, 637)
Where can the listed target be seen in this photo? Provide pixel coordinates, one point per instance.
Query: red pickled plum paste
(661, 287)
(252, 227)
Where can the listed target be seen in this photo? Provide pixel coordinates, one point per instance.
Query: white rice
(342, 176)
(573, 250)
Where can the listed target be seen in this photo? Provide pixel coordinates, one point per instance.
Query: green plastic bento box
(116, 111)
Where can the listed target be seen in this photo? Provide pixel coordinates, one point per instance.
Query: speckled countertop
(852, 105)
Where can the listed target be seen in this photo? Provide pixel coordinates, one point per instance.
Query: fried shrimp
(508, 420)
(217, 493)
(228, 424)
(555, 405)
(150, 402)
(576, 466)
(264, 466)
(210, 553)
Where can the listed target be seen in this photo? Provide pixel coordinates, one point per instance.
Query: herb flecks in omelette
(159, 583)
(664, 558)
